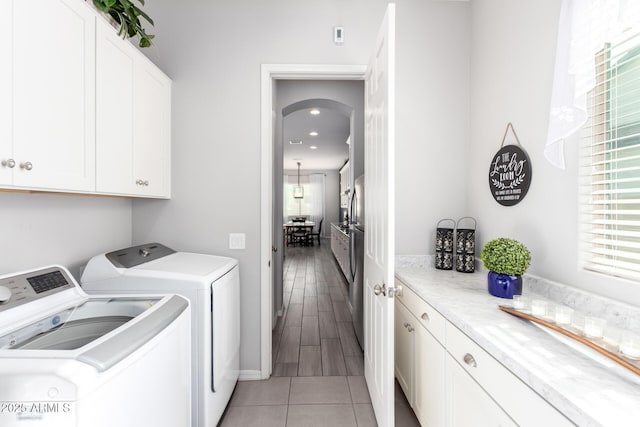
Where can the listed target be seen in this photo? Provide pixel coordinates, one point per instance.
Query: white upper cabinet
(81, 110)
(6, 82)
(50, 102)
(133, 128)
(152, 130)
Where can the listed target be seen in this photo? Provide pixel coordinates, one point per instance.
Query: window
(312, 205)
(610, 163)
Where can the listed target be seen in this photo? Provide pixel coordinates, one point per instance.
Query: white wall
(213, 52)
(513, 47)
(44, 229)
(432, 116)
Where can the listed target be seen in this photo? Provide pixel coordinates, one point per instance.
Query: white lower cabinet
(428, 398)
(340, 248)
(449, 380)
(404, 350)
(467, 403)
(420, 358)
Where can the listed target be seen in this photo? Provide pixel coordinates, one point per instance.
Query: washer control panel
(23, 288)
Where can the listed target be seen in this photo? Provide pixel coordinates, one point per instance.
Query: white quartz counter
(589, 389)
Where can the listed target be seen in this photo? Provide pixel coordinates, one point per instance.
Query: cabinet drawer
(522, 404)
(426, 315)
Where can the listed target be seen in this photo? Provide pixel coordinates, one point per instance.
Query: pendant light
(298, 192)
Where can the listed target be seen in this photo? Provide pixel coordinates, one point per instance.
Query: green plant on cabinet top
(127, 16)
(506, 256)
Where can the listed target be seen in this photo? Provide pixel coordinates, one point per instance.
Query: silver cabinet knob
(26, 165)
(410, 328)
(406, 325)
(146, 183)
(377, 290)
(424, 316)
(9, 163)
(470, 360)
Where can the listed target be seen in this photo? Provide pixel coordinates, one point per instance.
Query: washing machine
(211, 283)
(69, 359)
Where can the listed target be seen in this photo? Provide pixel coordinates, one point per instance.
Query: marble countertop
(340, 229)
(588, 388)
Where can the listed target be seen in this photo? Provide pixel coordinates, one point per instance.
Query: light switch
(338, 35)
(236, 240)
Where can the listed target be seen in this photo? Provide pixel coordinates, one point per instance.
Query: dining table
(292, 227)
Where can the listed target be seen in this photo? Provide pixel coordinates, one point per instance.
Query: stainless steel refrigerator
(356, 257)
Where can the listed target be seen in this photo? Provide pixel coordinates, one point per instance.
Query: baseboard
(250, 375)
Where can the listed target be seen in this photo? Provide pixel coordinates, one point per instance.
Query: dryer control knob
(5, 294)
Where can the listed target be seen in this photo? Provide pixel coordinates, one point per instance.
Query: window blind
(610, 163)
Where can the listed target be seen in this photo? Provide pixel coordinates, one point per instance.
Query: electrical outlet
(236, 240)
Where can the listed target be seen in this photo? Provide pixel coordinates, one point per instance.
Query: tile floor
(318, 377)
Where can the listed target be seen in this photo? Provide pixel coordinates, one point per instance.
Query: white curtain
(316, 198)
(584, 28)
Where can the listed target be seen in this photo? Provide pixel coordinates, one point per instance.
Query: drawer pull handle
(425, 316)
(470, 360)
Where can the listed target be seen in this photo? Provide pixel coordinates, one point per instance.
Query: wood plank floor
(318, 377)
(315, 335)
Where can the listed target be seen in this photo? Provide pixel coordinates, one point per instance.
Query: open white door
(379, 222)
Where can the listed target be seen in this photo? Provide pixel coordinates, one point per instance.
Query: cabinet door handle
(410, 328)
(470, 360)
(26, 165)
(10, 163)
(406, 325)
(425, 316)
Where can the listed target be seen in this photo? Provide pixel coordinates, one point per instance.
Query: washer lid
(186, 265)
(77, 325)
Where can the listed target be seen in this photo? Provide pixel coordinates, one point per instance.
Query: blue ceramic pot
(503, 285)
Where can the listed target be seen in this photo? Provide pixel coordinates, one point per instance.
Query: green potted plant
(507, 260)
(127, 15)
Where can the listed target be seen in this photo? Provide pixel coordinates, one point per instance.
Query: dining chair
(313, 234)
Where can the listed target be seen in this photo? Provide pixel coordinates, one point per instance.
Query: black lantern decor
(465, 246)
(444, 245)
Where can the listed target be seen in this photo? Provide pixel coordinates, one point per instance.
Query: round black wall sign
(510, 175)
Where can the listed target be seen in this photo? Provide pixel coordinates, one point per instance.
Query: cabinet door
(468, 404)
(429, 378)
(53, 94)
(133, 120)
(152, 130)
(114, 113)
(404, 350)
(6, 102)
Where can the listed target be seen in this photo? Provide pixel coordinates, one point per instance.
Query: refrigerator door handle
(352, 250)
(352, 219)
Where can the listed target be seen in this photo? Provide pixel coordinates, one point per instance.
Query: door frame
(270, 73)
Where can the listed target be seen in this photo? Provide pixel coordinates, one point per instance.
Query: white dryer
(211, 283)
(71, 360)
